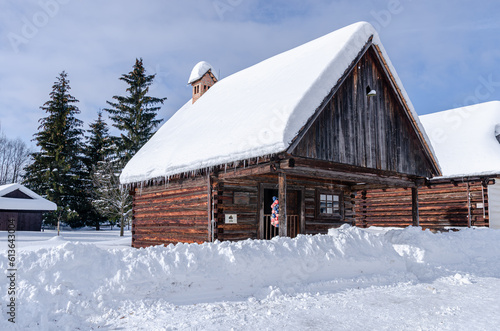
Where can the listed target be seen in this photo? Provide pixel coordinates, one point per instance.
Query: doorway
(293, 210)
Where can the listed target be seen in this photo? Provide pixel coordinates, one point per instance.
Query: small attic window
(204, 87)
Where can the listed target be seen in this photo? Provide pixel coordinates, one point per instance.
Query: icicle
(225, 167)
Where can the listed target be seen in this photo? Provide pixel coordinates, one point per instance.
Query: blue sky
(447, 53)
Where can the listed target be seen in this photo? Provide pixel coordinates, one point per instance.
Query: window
(329, 204)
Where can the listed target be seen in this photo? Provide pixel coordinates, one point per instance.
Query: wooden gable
(17, 194)
(370, 132)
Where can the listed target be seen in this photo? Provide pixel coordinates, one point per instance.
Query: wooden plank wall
(172, 213)
(372, 132)
(315, 225)
(241, 197)
(25, 220)
(440, 206)
(237, 197)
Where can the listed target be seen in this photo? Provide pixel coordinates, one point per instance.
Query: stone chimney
(201, 79)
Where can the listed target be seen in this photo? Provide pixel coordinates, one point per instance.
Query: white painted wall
(494, 204)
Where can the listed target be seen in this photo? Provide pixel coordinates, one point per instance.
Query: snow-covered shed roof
(464, 139)
(32, 202)
(257, 111)
(200, 69)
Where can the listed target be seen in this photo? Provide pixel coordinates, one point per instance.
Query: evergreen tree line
(78, 170)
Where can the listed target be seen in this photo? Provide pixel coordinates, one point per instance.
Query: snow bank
(68, 285)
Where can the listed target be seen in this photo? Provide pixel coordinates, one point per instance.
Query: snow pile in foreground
(79, 285)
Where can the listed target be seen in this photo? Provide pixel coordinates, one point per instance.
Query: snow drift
(69, 284)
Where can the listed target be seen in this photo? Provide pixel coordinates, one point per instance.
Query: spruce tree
(135, 114)
(113, 199)
(57, 168)
(98, 149)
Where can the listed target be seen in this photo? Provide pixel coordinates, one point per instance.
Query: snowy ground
(350, 279)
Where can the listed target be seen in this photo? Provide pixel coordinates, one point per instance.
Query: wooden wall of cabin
(444, 205)
(172, 213)
(240, 197)
(244, 198)
(314, 223)
(372, 132)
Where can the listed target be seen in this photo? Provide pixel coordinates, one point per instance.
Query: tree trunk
(122, 225)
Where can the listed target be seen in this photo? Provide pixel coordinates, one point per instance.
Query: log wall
(172, 213)
(440, 206)
(315, 224)
(237, 197)
(242, 197)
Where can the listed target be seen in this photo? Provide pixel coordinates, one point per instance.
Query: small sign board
(480, 205)
(231, 219)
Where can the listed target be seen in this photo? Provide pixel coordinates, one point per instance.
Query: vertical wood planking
(363, 131)
(414, 206)
(282, 204)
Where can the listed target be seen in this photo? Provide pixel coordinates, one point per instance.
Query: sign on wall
(231, 219)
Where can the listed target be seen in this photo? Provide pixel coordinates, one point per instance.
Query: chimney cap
(200, 69)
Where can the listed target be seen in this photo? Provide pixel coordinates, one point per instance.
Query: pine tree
(98, 149)
(113, 199)
(135, 114)
(57, 169)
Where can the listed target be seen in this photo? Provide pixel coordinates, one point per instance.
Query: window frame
(337, 215)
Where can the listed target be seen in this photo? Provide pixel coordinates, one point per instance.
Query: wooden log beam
(414, 206)
(358, 177)
(350, 177)
(246, 172)
(282, 204)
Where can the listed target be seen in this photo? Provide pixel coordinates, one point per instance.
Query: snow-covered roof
(35, 203)
(464, 139)
(200, 69)
(257, 111)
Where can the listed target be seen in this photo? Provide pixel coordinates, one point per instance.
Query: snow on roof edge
(312, 98)
(36, 203)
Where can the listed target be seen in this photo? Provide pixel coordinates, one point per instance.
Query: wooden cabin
(312, 126)
(21, 209)
(466, 141)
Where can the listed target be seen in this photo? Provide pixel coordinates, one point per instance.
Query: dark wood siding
(172, 213)
(238, 197)
(371, 132)
(315, 224)
(440, 206)
(24, 220)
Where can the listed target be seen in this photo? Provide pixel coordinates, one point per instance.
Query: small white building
(22, 207)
